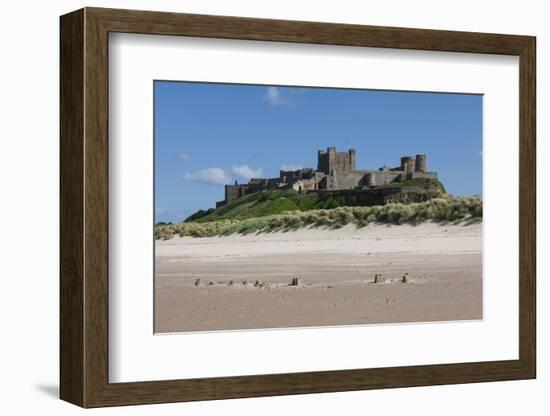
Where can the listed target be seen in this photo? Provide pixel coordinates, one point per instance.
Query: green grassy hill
(420, 182)
(261, 204)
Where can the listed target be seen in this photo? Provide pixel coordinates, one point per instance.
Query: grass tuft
(454, 210)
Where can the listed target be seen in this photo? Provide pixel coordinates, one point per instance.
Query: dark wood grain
(96, 224)
(527, 208)
(84, 207)
(71, 100)
(225, 27)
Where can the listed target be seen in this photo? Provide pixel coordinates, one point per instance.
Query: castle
(336, 171)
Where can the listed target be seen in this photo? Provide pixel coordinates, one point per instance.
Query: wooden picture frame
(84, 207)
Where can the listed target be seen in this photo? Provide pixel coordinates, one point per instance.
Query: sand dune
(337, 269)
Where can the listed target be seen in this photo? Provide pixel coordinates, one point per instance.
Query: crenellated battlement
(335, 171)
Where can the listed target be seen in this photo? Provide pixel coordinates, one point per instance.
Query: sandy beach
(243, 282)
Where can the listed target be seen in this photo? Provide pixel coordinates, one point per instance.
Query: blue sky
(207, 135)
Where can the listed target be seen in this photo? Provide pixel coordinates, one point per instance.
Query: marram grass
(455, 209)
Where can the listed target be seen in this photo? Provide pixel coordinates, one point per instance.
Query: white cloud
(246, 172)
(184, 157)
(275, 98)
(216, 176)
(291, 167)
(219, 176)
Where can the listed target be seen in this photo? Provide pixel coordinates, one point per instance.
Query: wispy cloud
(246, 172)
(291, 166)
(183, 157)
(214, 176)
(219, 176)
(275, 97)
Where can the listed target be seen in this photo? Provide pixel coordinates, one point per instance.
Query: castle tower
(332, 162)
(331, 156)
(421, 164)
(407, 164)
(371, 179)
(351, 153)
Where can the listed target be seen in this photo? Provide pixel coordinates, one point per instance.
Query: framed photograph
(254, 207)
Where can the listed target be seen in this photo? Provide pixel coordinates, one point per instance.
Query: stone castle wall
(335, 171)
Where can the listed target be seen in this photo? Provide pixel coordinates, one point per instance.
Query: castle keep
(336, 172)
